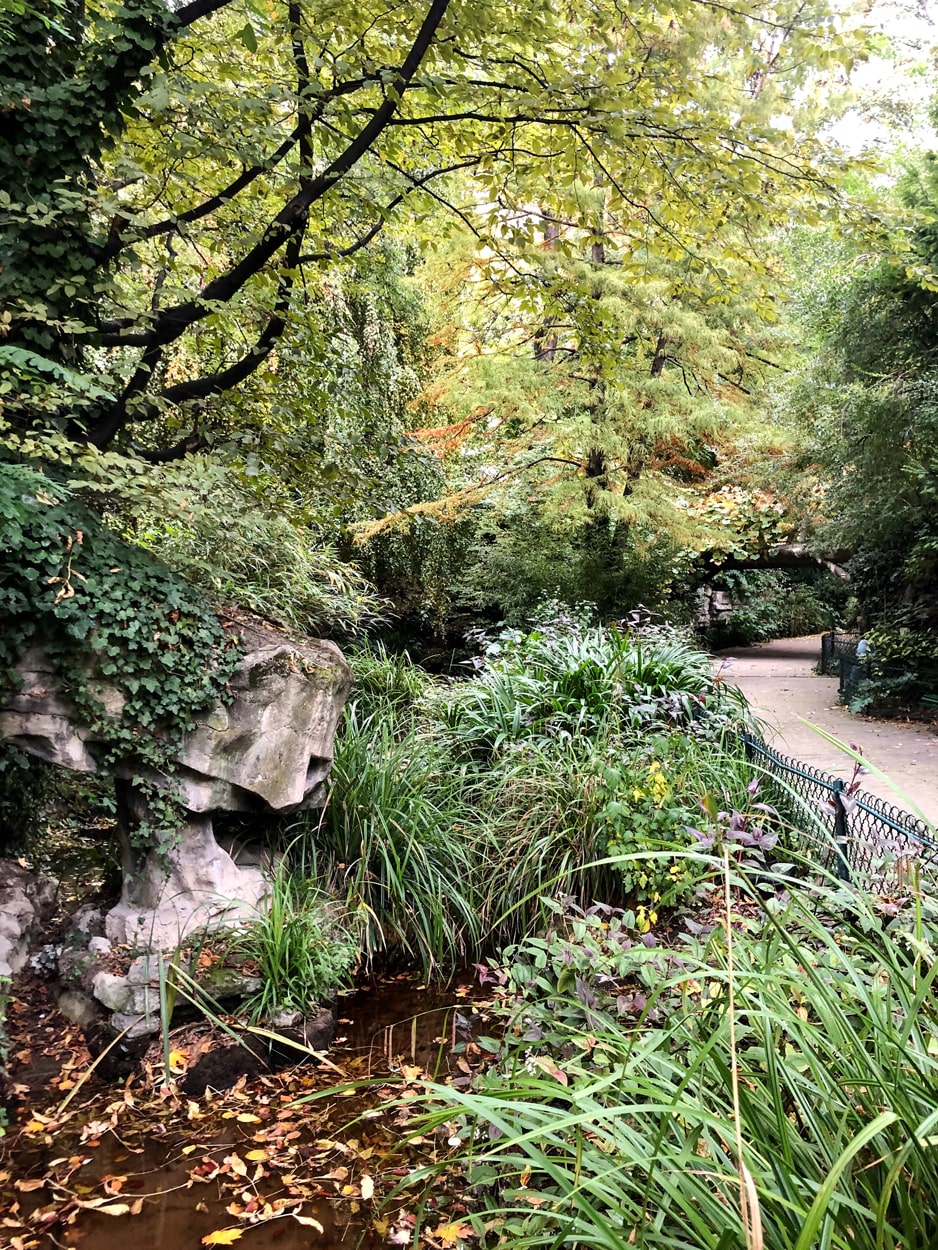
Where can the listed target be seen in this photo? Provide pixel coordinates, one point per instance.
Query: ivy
(135, 649)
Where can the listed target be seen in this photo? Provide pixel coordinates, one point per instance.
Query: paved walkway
(779, 681)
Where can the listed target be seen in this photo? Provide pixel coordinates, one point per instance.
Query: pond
(292, 1159)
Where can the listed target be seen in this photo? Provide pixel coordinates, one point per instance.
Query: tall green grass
(784, 1095)
(399, 838)
(302, 945)
(455, 806)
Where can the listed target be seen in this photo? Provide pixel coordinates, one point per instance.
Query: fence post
(840, 831)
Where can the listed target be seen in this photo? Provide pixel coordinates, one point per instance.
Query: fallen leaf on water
(107, 1208)
(27, 1187)
(308, 1221)
(222, 1237)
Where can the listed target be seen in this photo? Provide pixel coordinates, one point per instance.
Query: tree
(163, 208)
(867, 401)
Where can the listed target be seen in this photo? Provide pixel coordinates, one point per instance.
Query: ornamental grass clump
(772, 1081)
(400, 838)
(302, 944)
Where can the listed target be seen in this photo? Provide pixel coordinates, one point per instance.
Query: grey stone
(88, 920)
(199, 886)
(269, 750)
(134, 1025)
(26, 899)
(99, 946)
(284, 1019)
(113, 991)
(78, 1007)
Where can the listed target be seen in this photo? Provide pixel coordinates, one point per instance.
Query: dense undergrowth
(693, 1045)
(456, 807)
(766, 1080)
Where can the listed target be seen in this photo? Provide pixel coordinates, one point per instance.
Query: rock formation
(269, 750)
(26, 899)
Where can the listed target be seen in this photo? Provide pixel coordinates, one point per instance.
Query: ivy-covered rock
(267, 746)
(111, 663)
(129, 654)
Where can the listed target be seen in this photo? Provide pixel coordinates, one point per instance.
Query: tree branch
(172, 323)
(191, 12)
(363, 240)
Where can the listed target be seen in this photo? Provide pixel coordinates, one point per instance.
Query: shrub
(568, 679)
(205, 523)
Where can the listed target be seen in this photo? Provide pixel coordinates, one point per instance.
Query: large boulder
(268, 750)
(26, 900)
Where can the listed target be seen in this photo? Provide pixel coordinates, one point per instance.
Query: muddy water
(386, 1029)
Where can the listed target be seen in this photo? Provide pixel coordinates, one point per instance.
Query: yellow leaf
(222, 1237)
(247, 1118)
(449, 1234)
(178, 1061)
(256, 1155)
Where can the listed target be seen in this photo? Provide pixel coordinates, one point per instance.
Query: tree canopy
(178, 183)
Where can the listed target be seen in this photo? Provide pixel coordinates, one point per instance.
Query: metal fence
(837, 645)
(856, 836)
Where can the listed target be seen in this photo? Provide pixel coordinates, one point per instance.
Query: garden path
(779, 680)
